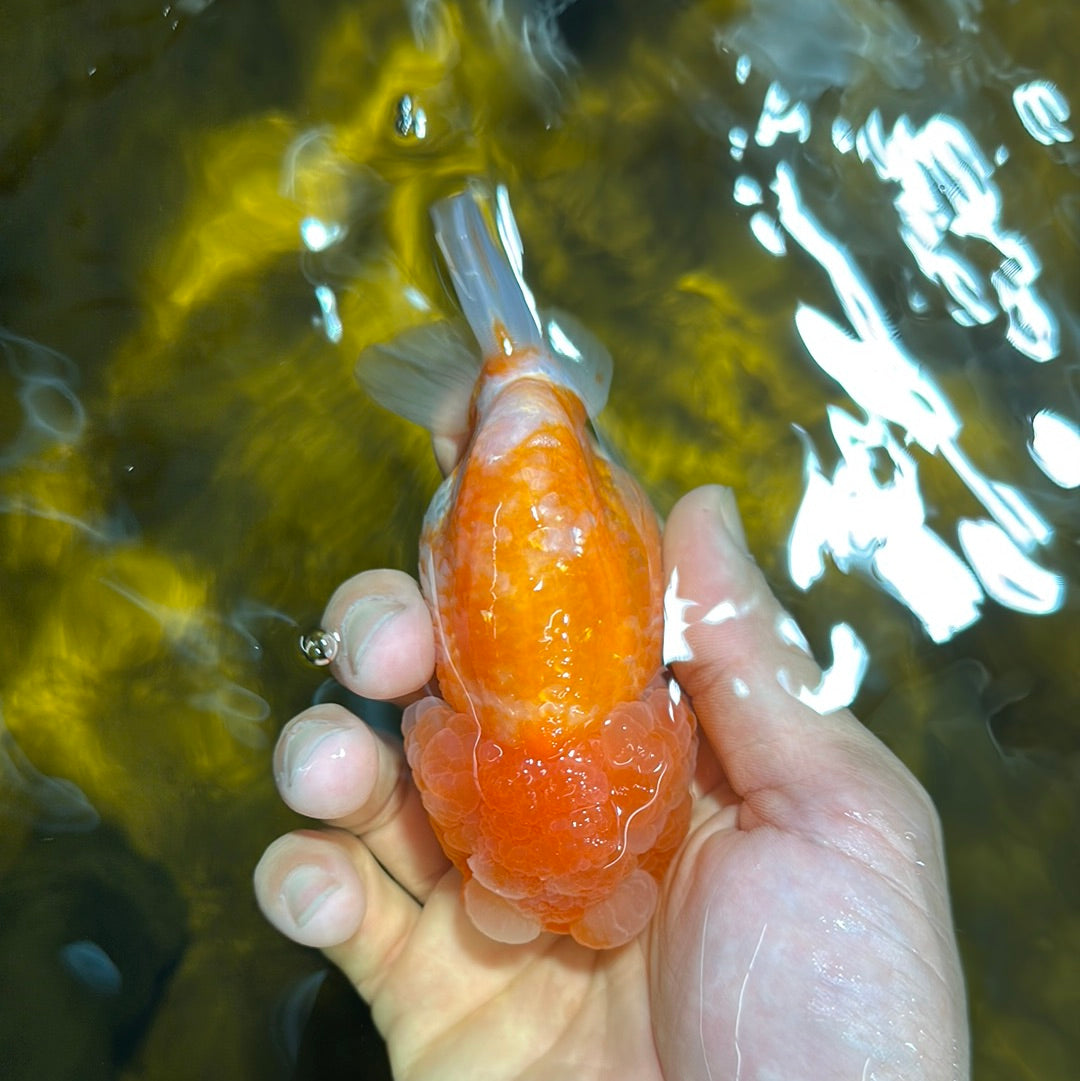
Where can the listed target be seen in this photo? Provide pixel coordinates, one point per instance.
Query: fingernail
(360, 625)
(305, 890)
(297, 753)
(726, 509)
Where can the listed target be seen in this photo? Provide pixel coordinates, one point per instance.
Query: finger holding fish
(328, 890)
(386, 648)
(723, 633)
(746, 668)
(330, 765)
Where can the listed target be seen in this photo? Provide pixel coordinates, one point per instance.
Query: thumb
(742, 660)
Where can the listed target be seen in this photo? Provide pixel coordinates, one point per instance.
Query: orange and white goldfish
(555, 766)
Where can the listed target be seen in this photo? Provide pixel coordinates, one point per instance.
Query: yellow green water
(203, 469)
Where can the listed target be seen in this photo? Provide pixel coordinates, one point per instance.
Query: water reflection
(1055, 447)
(334, 197)
(92, 967)
(48, 804)
(1005, 573)
(51, 411)
(945, 189)
(879, 526)
(90, 932)
(214, 645)
(840, 682)
(294, 1012)
(1043, 110)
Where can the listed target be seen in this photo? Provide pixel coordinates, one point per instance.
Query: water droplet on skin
(720, 613)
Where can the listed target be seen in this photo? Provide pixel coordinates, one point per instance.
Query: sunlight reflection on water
(945, 190)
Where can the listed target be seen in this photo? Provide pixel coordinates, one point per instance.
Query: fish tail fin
(479, 239)
(427, 374)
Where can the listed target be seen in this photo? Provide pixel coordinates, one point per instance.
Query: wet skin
(803, 929)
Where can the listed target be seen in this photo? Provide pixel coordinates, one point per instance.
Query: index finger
(386, 641)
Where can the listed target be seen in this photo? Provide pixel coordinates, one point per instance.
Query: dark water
(840, 274)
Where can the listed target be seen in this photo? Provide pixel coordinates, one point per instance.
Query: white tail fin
(482, 248)
(480, 241)
(427, 374)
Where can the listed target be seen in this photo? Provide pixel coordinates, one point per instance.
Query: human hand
(803, 929)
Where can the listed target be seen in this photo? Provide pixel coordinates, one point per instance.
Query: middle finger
(329, 765)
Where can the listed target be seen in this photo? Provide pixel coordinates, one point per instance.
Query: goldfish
(555, 759)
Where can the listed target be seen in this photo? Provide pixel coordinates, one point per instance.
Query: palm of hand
(548, 1009)
(453, 1003)
(679, 1003)
(803, 930)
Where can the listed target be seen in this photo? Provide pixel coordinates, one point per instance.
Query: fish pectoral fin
(425, 375)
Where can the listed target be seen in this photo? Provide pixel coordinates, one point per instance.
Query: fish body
(555, 763)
